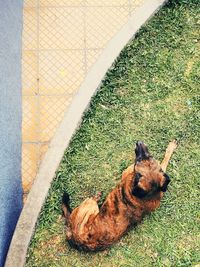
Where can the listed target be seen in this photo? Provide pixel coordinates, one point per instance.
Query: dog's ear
(167, 181)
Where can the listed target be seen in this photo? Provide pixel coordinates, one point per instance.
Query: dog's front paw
(173, 144)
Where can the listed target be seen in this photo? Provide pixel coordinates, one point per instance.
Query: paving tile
(102, 23)
(30, 119)
(61, 72)
(43, 147)
(92, 56)
(29, 165)
(61, 28)
(52, 109)
(59, 3)
(30, 3)
(105, 3)
(29, 72)
(30, 35)
(134, 4)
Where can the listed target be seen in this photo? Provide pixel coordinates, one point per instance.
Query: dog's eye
(139, 192)
(137, 178)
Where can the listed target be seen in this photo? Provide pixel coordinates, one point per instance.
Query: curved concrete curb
(17, 253)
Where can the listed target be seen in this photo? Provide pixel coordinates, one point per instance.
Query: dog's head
(149, 178)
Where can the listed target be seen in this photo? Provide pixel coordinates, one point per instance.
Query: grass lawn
(152, 93)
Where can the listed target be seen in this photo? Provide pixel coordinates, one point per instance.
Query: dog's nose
(141, 151)
(140, 143)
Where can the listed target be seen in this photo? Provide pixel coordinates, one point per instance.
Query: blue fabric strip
(10, 120)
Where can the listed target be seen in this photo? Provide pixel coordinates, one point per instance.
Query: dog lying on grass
(91, 228)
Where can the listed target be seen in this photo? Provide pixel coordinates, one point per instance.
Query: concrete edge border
(26, 225)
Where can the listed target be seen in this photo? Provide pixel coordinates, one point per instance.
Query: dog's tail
(66, 213)
(66, 205)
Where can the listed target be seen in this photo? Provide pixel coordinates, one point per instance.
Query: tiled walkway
(62, 39)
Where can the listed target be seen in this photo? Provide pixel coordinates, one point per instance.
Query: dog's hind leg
(168, 153)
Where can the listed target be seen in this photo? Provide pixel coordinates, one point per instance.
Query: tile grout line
(84, 34)
(66, 49)
(129, 8)
(51, 95)
(36, 142)
(38, 89)
(86, 6)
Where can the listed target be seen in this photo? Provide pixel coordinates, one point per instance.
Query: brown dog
(91, 228)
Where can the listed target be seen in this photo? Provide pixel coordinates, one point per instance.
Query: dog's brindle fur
(91, 228)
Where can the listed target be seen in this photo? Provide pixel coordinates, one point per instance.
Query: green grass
(152, 93)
